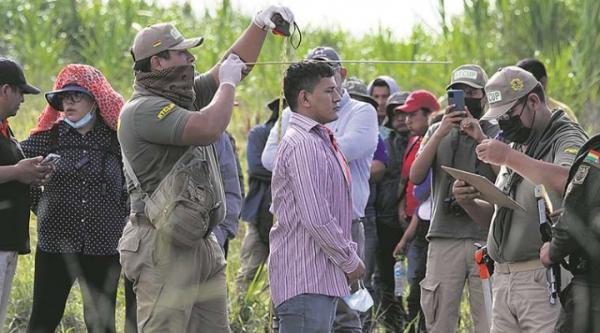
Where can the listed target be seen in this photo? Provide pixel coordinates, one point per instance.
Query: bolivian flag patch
(593, 158)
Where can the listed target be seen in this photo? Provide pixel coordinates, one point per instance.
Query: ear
(533, 100)
(155, 63)
(4, 89)
(304, 99)
(343, 73)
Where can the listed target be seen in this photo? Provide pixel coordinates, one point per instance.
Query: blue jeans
(307, 313)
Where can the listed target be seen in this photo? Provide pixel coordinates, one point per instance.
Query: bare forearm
(552, 176)
(480, 211)
(409, 233)
(8, 173)
(421, 165)
(205, 127)
(247, 47)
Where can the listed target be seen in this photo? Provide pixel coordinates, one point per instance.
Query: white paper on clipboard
(489, 191)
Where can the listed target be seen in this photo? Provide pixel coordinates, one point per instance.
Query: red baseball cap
(419, 99)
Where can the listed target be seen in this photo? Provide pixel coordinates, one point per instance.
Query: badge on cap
(516, 84)
(593, 158)
(465, 74)
(156, 44)
(494, 96)
(175, 34)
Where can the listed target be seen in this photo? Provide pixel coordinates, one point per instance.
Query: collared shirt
(83, 208)
(310, 244)
(356, 132)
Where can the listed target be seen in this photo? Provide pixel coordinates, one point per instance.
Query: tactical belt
(515, 267)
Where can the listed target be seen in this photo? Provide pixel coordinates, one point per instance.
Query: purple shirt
(310, 244)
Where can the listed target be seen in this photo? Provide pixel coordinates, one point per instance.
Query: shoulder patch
(571, 150)
(593, 158)
(165, 111)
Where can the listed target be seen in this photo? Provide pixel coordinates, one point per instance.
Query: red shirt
(414, 142)
(4, 128)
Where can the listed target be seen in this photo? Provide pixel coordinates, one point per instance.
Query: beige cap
(160, 37)
(471, 75)
(505, 88)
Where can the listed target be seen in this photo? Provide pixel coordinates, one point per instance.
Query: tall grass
(46, 34)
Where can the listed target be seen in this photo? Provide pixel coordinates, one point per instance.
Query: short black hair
(538, 90)
(380, 83)
(143, 65)
(533, 66)
(303, 75)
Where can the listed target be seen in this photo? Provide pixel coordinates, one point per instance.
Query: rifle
(544, 211)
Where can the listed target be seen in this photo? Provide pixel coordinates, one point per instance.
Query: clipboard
(489, 191)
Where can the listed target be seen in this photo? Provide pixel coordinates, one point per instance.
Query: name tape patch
(165, 111)
(465, 74)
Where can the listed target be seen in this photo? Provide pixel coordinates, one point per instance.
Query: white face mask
(361, 300)
(83, 121)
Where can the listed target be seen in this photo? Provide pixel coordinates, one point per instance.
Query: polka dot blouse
(83, 208)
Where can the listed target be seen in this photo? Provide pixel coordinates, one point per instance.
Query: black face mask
(513, 128)
(474, 106)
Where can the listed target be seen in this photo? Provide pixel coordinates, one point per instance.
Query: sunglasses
(71, 97)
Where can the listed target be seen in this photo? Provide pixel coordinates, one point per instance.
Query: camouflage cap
(395, 100)
(505, 88)
(160, 37)
(471, 75)
(357, 89)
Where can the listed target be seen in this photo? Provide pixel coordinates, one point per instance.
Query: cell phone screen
(50, 159)
(456, 98)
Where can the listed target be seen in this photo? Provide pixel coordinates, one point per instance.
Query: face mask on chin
(474, 106)
(83, 121)
(513, 128)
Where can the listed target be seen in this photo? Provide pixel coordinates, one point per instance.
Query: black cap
(274, 104)
(12, 73)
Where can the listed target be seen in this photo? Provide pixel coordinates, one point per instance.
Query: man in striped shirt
(312, 256)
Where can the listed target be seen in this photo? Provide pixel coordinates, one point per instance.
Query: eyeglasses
(508, 115)
(72, 97)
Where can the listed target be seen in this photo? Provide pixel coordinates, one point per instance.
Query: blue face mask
(81, 122)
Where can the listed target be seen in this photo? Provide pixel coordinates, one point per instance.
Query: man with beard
(452, 232)
(168, 249)
(544, 145)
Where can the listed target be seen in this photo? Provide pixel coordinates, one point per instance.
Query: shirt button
(85, 151)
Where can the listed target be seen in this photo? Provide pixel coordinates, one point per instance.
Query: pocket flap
(130, 241)
(429, 285)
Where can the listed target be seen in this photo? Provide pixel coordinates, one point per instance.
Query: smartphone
(50, 159)
(456, 98)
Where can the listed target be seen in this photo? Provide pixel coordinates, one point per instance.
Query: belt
(521, 266)
(140, 220)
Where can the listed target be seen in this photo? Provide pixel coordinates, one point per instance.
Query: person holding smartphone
(17, 175)
(452, 232)
(82, 210)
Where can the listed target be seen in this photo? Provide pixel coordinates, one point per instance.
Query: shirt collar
(303, 122)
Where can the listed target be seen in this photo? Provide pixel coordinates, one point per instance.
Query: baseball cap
(419, 99)
(11, 72)
(505, 88)
(395, 100)
(160, 37)
(471, 75)
(55, 97)
(324, 53)
(357, 89)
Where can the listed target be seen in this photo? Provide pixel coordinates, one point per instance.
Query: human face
(76, 105)
(12, 97)
(417, 122)
(381, 94)
(399, 122)
(322, 101)
(176, 58)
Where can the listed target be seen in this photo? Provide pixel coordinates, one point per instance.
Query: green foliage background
(44, 35)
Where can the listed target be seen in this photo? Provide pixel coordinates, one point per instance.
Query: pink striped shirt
(311, 245)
